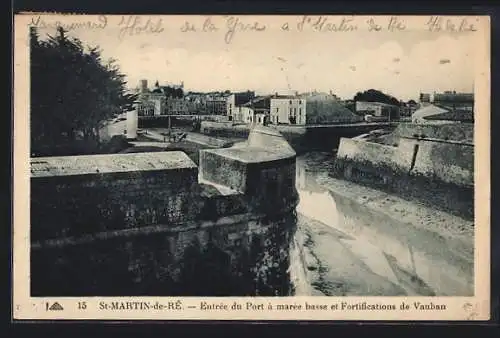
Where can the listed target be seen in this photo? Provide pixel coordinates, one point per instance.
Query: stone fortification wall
(361, 151)
(208, 140)
(302, 138)
(95, 197)
(147, 221)
(227, 129)
(437, 172)
(463, 132)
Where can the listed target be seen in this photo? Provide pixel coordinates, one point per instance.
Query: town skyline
(400, 64)
(152, 84)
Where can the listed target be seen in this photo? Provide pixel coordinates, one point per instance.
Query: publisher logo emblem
(54, 307)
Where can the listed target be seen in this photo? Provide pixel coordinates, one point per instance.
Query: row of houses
(243, 107)
(311, 108)
(170, 99)
(297, 109)
(322, 108)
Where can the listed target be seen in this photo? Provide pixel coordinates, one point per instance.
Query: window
(295, 110)
(300, 111)
(300, 101)
(290, 111)
(290, 101)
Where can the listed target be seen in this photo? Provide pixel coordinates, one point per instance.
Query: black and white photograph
(253, 156)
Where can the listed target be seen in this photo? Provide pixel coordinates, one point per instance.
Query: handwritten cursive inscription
(134, 25)
(396, 24)
(208, 26)
(234, 24)
(373, 26)
(188, 27)
(322, 24)
(230, 25)
(439, 24)
(100, 23)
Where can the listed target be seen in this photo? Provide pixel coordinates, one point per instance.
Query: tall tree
(73, 91)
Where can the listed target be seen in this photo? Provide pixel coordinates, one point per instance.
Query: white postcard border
(457, 308)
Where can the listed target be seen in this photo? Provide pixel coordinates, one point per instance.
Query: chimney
(296, 93)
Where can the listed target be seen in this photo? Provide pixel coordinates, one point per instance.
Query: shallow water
(343, 248)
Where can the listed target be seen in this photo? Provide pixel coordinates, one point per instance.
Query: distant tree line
(176, 93)
(73, 93)
(169, 91)
(373, 95)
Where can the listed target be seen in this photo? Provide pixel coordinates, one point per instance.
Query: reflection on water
(348, 249)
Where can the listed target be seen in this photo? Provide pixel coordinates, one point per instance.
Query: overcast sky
(402, 64)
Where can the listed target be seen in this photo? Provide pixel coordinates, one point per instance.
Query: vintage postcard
(235, 167)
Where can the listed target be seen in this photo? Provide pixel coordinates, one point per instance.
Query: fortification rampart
(436, 171)
(163, 226)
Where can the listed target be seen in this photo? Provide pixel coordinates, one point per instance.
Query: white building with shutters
(287, 109)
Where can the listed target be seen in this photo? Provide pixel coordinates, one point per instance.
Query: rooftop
(376, 103)
(290, 97)
(263, 144)
(108, 163)
(319, 96)
(429, 110)
(260, 102)
(454, 97)
(243, 97)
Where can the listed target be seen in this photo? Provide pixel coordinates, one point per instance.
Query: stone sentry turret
(263, 169)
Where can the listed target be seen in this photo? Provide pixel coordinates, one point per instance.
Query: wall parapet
(80, 195)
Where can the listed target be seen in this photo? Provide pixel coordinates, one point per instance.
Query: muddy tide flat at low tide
(365, 242)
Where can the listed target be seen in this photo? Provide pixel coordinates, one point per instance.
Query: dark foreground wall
(143, 224)
(235, 256)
